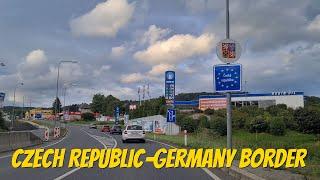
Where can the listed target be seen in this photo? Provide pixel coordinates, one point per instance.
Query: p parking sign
(171, 115)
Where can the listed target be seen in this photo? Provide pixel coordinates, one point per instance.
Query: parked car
(116, 129)
(133, 132)
(93, 126)
(105, 128)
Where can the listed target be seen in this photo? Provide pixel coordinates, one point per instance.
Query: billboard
(2, 96)
(212, 103)
(170, 83)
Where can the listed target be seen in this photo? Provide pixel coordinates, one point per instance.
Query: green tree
(98, 103)
(2, 125)
(56, 105)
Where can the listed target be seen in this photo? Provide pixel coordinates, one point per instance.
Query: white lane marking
(78, 168)
(206, 170)
(48, 145)
(67, 174)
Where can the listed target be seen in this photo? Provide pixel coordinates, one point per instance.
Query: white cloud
(36, 57)
(132, 78)
(160, 69)
(177, 48)
(154, 34)
(117, 52)
(106, 19)
(315, 24)
(102, 70)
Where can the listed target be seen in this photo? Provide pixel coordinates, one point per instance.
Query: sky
(121, 45)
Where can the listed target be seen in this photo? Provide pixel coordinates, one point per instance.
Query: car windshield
(116, 127)
(134, 127)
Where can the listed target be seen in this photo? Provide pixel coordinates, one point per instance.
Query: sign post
(228, 51)
(170, 83)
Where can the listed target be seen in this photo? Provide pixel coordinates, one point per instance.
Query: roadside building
(39, 113)
(262, 100)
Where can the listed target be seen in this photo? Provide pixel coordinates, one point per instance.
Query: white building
(291, 99)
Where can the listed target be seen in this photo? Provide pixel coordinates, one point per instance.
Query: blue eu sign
(227, 78)
(171, 115)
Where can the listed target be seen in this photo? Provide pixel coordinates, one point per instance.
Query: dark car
(105, 128)
(93, 126)
(116, 130)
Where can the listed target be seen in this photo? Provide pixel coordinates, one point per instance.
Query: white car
(133, 132)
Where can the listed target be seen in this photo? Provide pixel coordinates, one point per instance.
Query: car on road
(116, 129)
(93, 126)
(105, 128)
(133, 132)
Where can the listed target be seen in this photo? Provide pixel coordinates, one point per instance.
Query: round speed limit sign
(228, 51)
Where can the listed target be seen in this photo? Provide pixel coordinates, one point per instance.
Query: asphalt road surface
(83, 137)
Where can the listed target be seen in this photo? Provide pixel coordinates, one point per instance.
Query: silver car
(133, 132)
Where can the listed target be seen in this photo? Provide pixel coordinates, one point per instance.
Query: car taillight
(125, 132)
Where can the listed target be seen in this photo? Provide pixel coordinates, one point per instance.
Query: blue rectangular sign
(171, 115)
(227, 78)
(170, 83)
(117, 114)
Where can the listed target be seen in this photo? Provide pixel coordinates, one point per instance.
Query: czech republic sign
(227, 77)
(228, 51)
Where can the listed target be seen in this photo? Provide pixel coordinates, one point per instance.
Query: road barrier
(17, 139)
(46, 134)
(56, 132)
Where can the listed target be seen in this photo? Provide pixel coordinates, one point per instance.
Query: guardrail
(17, 139)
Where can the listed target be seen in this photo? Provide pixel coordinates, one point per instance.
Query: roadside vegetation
(274, 127)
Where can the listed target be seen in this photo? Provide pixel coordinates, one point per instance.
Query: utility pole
(139, 95)
(229, 108)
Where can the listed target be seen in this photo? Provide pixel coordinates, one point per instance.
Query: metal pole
(56, 100)
(22, 106)
(227, 20)
(229, 108)
(14, 103)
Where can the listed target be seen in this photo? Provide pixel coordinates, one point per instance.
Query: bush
(277, 126)
(189, 124)
(203, 122)
(258, 124)
(218, 125)
(209, 111)
(239, 119)
(288, 119)
(308, 120)
(88, 117)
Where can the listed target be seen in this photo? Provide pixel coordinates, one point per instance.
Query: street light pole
(14, 103)
(57, 89)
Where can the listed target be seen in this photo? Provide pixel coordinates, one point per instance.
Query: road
(82, 137)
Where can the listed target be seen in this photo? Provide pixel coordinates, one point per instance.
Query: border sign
(171, 115)
(170, 83)
(227, 77)
(228, 51)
